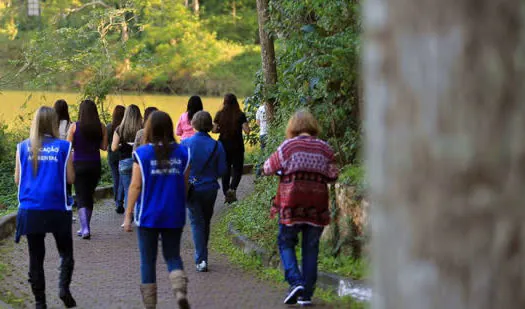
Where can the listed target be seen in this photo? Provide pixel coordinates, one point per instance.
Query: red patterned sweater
(306, 165)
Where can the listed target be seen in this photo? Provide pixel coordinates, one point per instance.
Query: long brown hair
(62, 110)
(159, 132)
(45, 122)
(228, 117)
(89, 123)
(116, 118)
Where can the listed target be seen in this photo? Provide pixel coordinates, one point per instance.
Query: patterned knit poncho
(305, 165)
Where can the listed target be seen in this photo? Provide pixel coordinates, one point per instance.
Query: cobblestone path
(107, 271)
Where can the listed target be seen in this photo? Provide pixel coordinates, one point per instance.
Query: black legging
(87, 176)
(37, 252)
(235, 159)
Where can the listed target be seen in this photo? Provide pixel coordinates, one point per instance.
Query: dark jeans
(148, 247)
(87, 176)
(234, 159)
(118, 194)
(37, 252)
(200, 210)
(287, 240)
(125, 168)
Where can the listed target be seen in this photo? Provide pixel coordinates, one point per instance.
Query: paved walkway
(107, 271)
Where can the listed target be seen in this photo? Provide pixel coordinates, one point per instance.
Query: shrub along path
(107, 271)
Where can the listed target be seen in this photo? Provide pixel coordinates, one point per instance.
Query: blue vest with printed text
(162, 202)
(45, 189)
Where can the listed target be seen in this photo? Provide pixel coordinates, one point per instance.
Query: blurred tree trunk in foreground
(445, 116)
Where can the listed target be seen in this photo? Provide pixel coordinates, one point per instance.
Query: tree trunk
(125, 38)
(234, 9)
(196, 7)
(445, 106)
(267, 54)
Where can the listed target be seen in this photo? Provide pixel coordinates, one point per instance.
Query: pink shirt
(184, 128)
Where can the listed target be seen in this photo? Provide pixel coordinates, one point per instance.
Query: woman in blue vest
(43, 169)
(208, 163)
(158, 189)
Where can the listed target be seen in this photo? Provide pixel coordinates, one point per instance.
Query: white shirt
(63, 126)
(261, 117)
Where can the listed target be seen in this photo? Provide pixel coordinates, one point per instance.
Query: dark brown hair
(62, 110)
(116, 118)
(194, 105)
(159, 132)
(148, 111)
(89, 124)
(228, 117)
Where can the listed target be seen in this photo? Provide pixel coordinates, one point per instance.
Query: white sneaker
(202, 267)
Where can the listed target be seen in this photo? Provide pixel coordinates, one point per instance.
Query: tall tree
(445, 122)
(267, 53)
(196, 6)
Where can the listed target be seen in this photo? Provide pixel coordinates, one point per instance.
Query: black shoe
(38, 287)
(67, 298)
(120, 209)
(64, 280)
(295, 292)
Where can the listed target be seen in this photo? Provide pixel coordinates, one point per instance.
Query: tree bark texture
(269, 65)
(445, 123)
(196, 7)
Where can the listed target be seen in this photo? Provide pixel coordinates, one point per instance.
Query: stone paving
(107, 271)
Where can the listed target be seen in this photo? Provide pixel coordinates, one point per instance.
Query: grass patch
(251, 218)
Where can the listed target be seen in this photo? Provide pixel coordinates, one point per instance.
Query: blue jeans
(287, 240)
(200, 211)
(148, 247)
(125, 167)
(118, 193)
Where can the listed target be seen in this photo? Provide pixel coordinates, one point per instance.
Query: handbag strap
(208, 160)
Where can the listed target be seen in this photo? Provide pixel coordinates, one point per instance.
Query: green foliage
(318, 69)
(251, 217)
(136, 45)
(221, 243)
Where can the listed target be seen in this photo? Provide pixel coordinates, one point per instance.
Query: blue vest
(162, 202)
(45, 190)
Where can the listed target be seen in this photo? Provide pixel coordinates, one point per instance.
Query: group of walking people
(156, 179)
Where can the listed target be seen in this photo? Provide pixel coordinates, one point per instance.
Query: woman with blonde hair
(43, 169)
(88, 137)
(123, 141)
(305, 165)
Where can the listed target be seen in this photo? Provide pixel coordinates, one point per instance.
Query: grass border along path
(257, 219)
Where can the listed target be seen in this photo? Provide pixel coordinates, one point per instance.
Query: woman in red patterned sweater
(305, 165)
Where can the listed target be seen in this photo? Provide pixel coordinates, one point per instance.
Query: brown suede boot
(149, 295)
(179, 285)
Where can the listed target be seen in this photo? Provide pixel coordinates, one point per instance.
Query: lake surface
(19, 103)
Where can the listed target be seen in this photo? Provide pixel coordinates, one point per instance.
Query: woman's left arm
(116, 142)
(246, 128)
(17, 167)
(104, 143)
(133, 195)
